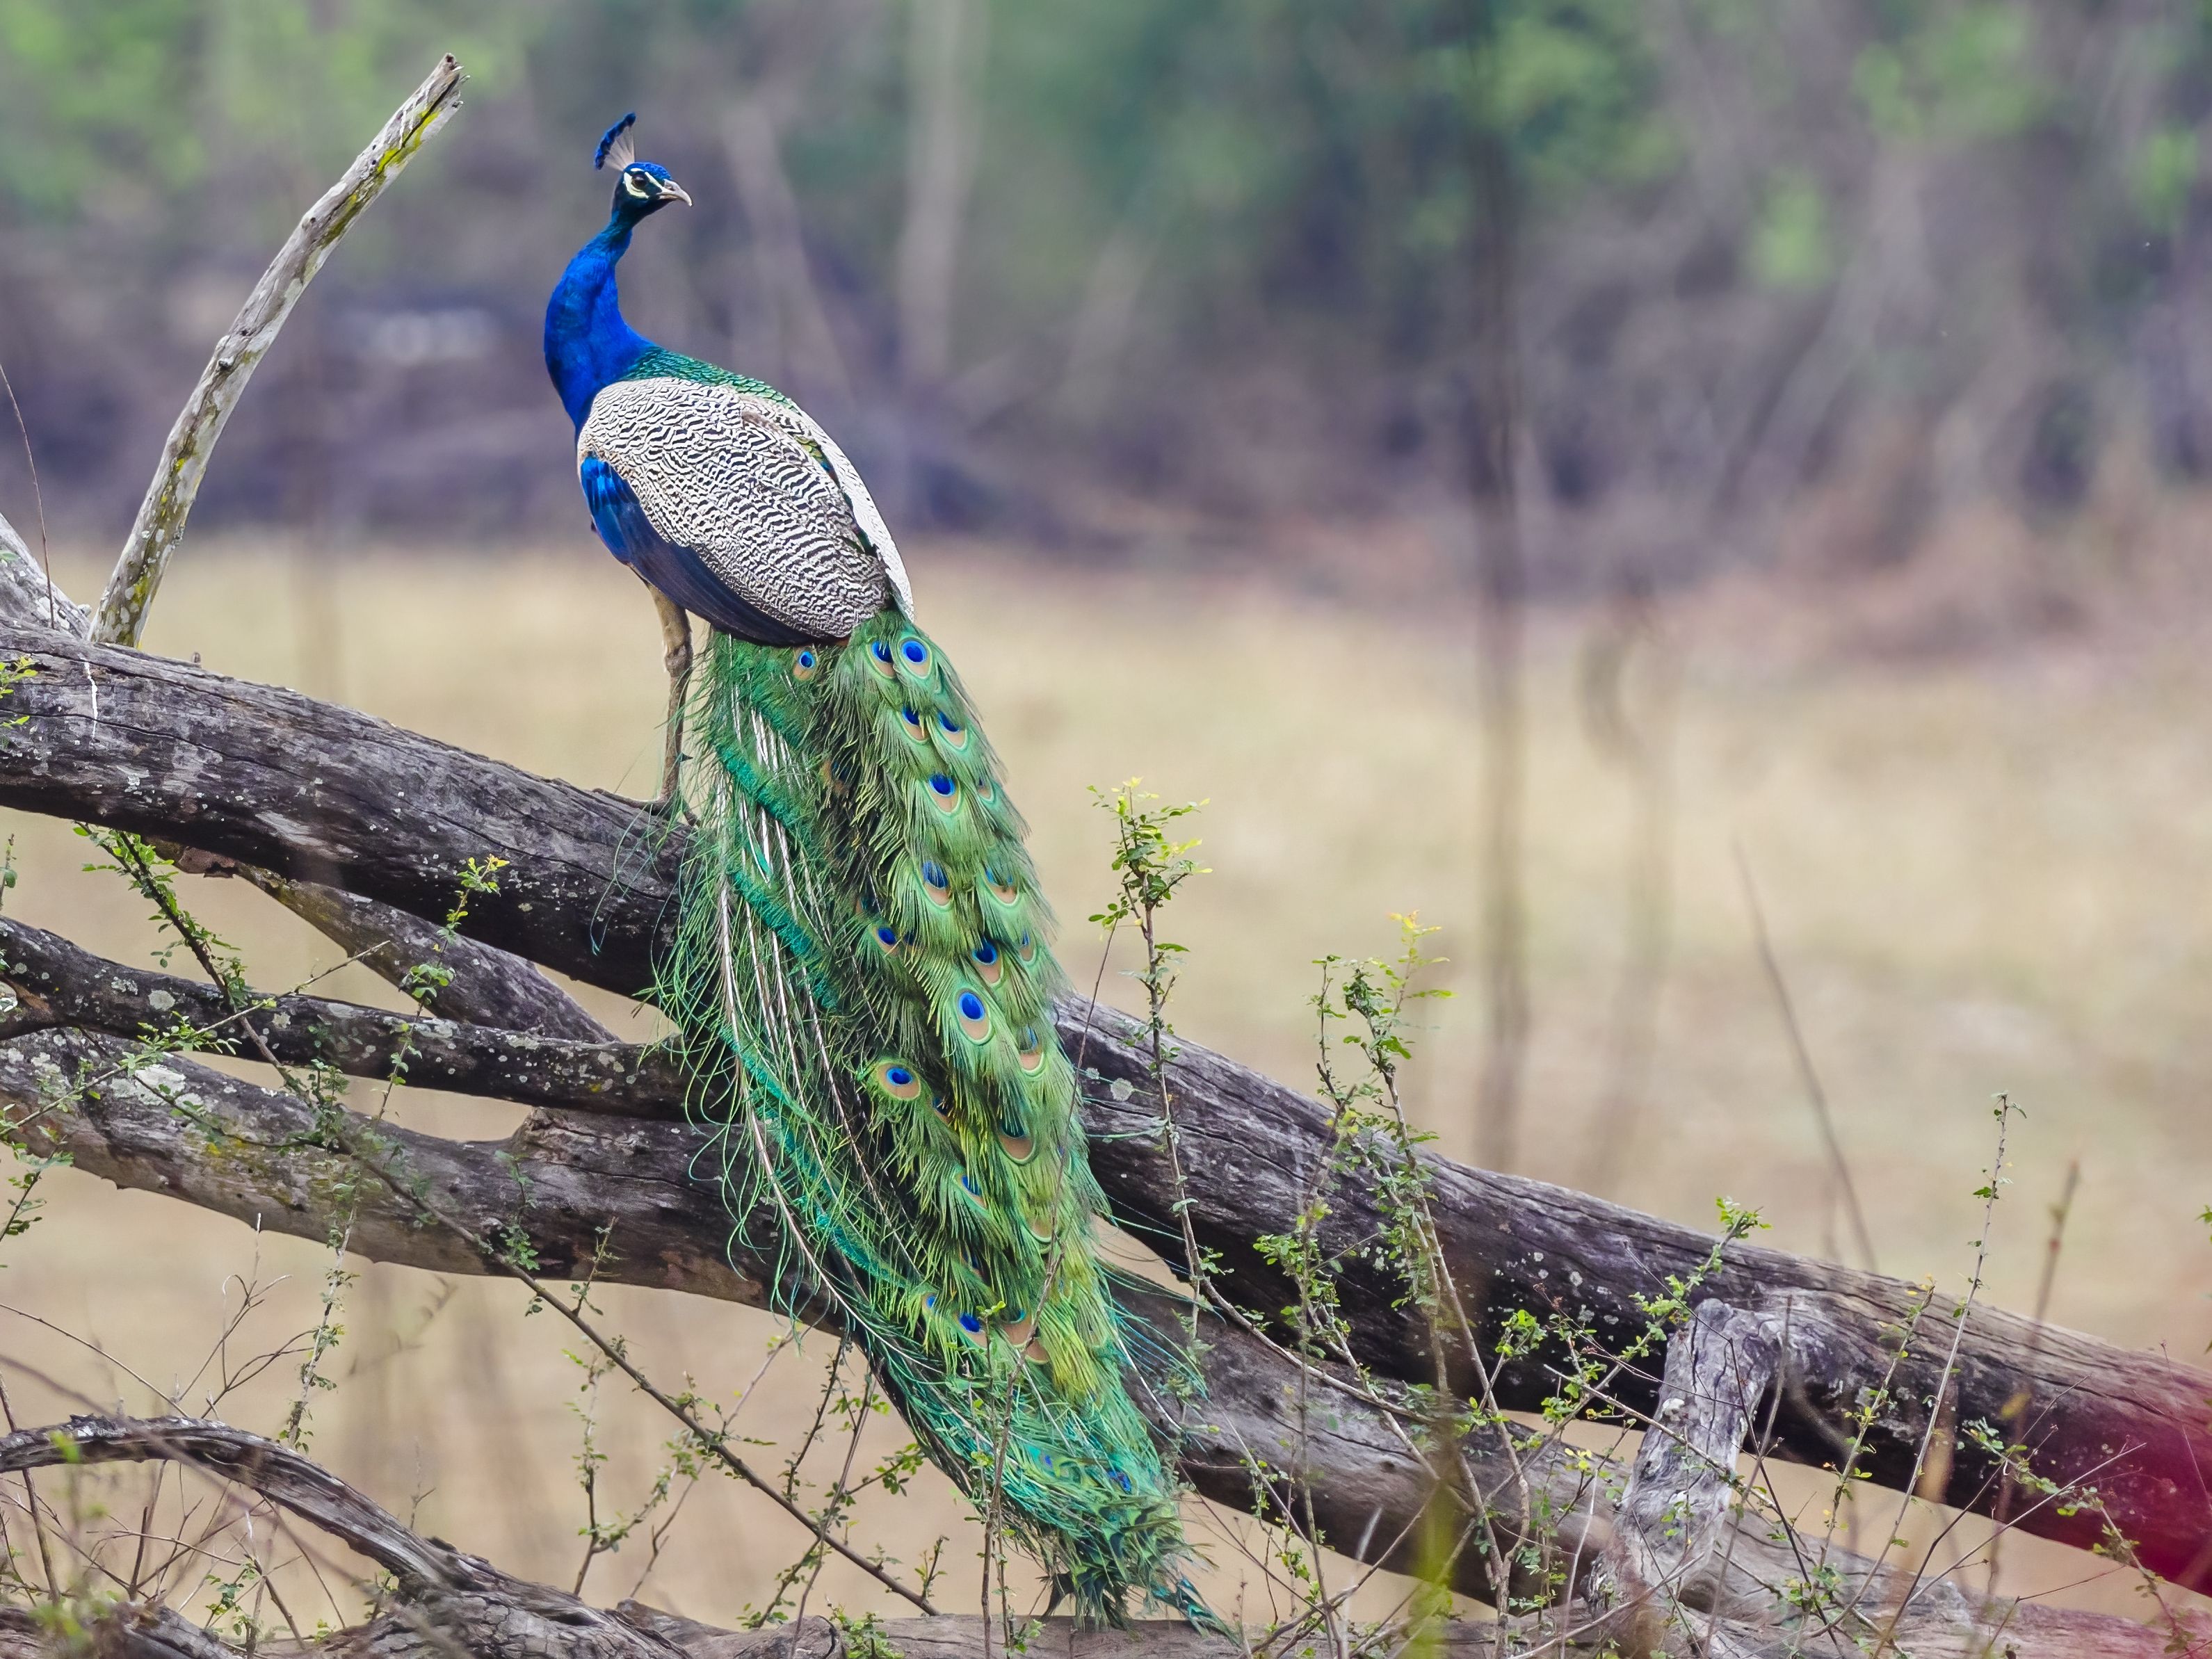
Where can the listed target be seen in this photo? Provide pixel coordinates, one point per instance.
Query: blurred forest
(1071, 272)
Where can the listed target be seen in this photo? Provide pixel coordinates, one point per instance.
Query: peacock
(859, 970)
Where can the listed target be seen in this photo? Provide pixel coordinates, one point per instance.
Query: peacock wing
(716, 498)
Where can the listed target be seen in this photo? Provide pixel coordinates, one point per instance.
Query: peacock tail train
(861, 974)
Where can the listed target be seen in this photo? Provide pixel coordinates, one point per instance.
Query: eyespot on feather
(1025, 952)
(1019, 1148)
(913, 657)
(897, 1080)
(914, 728)
(943, 793)
(879, 659)
(974, 1016)
(886, 937)
(805, 665)
(986, 957)
(936, 886)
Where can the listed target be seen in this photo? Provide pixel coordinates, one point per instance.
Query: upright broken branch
(160, 526)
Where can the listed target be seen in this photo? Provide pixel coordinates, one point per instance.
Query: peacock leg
(676, 657)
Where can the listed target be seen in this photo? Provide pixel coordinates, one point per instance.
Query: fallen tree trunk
(272, 778)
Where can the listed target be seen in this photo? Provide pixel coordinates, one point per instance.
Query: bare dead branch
(59, 984)
(121, 618)
(469, 1603)
(176, 1127)
(490, 987)
(24, 588)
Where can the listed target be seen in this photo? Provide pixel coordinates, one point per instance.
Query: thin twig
(1814, 1092)
(37, 497)
(2015, 1415)
(31, 1499)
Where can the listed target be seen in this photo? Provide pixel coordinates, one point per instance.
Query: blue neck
(587, 345)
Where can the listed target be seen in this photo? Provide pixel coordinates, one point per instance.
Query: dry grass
(1979, 875)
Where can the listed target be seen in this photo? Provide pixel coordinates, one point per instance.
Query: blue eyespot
(971, 1324)
(1029, 1036)
(947, 721)
(883, 652)
(807, 659)
(969, 1181)
(971, 1006)
(916, 652)
(932, 872)
(986, 953)
(1015, 1315)
(898, 1077)
(940, 783)
(1121, 1480)
(887, 936)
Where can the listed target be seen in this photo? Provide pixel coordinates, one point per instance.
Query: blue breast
(676, 572)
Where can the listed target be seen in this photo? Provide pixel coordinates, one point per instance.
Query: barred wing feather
(734, 504)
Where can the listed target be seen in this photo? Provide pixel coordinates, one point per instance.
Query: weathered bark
(275, 778)
(490, 986)
(556, 1186)
(58, 984)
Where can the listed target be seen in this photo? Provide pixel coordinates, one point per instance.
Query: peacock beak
(672, 192)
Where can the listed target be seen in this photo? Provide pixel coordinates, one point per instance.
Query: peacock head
(641, 187)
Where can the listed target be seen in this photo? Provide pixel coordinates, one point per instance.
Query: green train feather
(861, 973)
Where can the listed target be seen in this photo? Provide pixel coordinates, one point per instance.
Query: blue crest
(610, 138)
